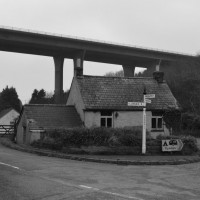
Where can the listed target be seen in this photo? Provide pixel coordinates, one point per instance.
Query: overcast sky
(171, 25)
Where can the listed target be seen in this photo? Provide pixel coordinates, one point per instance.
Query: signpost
(144, 130)
(150, 96)
(147, 98)
(172, 145)
(136, 104)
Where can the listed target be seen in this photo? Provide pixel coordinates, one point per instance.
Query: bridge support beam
(78, 63)
(58, 61)
(128, 71)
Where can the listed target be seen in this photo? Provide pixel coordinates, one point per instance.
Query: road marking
(87, 187)
(90, 188)
(9, 165)
(111, 193)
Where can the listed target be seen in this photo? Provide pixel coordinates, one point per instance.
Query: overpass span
(80, 49)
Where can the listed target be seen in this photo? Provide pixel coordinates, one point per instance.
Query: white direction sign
(149, 96)
(147, 100)
(136, 104)
(172, 145)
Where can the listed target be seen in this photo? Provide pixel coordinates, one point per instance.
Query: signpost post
(146, 100)
(144, 130)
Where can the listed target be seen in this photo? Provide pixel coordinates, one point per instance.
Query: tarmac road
(25, 176)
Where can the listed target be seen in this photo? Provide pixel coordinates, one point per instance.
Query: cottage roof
(6, 111)
(51, 116)
(99, 92)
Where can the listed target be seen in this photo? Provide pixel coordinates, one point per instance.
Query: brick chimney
(158, 76)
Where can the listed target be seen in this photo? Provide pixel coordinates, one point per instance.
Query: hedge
(110, 138)
(97, 136)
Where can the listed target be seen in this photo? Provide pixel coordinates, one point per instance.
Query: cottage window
(106, 119)
(157, 123)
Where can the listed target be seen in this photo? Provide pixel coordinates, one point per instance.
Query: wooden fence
(7, 130)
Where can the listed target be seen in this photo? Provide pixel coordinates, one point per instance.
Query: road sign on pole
(146, 100)
(136, 104)
(149, 96)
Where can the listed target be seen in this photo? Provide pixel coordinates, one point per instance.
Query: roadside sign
(172, 145)
(136, 104)
(149, 96)
(147, 100)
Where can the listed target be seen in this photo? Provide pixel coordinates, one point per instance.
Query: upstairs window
(157, 123)
(106, 119)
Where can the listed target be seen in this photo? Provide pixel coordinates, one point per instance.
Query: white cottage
(8, 116)
(103, 101)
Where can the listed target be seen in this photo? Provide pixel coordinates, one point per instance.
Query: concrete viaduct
(79, 49)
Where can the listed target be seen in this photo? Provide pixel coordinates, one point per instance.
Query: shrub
(97, 136)
(127, 137)
(194, 133)
(153, 142)
(93, 136)
(190, 121)
(190, 142)
(114, 141)
(48, 143)
(113, 138)
(167, 137)
(86, 137)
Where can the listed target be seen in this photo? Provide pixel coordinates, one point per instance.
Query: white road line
(87, 187)
(91, 188)
(111, 193)
(9, 165)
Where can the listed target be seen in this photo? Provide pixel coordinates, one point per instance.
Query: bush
(127, 137)
(113, 138)
(190, 142)
(86, 137)
(97, 136)
(92, 137)
(190, 121)
(48, 143)
(167, 137)
(194, 133)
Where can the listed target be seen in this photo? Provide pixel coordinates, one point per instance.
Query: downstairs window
(156, 123)
(106, 119)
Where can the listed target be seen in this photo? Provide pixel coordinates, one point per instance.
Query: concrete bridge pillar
(58, 79)
(128, 71)
(78, 63)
